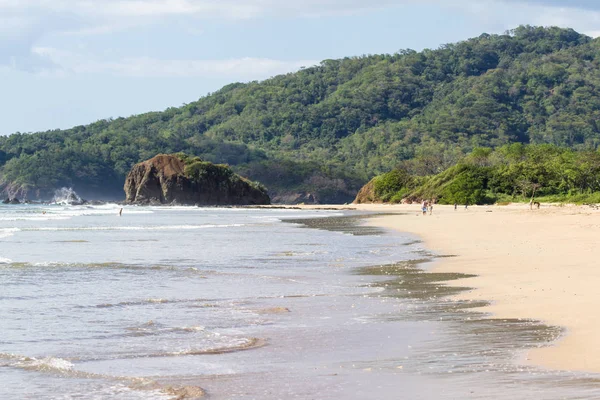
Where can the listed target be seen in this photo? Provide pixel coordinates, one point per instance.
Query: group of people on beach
(427, 206)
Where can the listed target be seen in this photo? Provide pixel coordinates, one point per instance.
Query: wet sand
(529, 264)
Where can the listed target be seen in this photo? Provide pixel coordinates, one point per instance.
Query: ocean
(245, 303)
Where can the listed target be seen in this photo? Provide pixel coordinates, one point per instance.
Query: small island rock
(180, 179)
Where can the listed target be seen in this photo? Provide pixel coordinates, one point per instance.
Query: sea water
(173, 302)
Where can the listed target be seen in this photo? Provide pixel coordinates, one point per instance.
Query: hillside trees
(510, 173)
(329, 128)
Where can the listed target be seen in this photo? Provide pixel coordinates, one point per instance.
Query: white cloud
(580, 4)
(500, 15)
(247, 68)
(102, 11)
(200, 8)
(23, 23)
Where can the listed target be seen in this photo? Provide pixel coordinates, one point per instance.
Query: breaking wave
(126, 228)
(66, 196)
(61, 211)
(51, 364)
(245, 344)
(206, 302)
(152, 328)
(46, 364)
(7, 232)
(187, 271)
(147, 388)
(139, 303)
(240, 345)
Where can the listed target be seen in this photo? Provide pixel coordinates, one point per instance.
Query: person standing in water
(120, 212)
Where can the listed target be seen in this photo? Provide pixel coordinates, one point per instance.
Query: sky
(70, 62)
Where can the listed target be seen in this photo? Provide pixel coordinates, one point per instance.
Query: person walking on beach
(455, 205)
(431, 206)
(424, 207)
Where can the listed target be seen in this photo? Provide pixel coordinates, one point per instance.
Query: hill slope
(328, 129)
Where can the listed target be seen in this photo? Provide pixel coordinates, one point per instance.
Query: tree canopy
(511, 172)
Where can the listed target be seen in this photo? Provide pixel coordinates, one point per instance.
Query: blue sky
(70, 62)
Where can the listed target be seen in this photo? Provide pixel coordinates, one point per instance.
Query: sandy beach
(531, 264)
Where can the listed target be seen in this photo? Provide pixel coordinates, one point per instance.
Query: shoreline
(529, 264)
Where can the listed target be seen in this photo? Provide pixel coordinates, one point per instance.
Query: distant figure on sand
(430, 207)
(120, 212)
(424, 207)
(455, 205)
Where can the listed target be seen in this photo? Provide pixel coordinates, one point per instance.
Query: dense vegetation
(199, 171)
(330, 128)
(513, 172)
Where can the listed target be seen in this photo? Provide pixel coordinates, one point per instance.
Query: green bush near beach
(513, 172)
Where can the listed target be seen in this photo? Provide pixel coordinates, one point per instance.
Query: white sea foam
(35, 218)
(99, 210)
(201, 209)
(47, 264)
(190, 329)
(61, 212)
(6, 232)
(124, 392)
(5, 260)
(45, 364)
(133, 228)
(66, 196)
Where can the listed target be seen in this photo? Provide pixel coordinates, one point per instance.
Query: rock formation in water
(67, 196)
(180, 179)
(8, 200)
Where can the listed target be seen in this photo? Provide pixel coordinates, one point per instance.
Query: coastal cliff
(180, 179)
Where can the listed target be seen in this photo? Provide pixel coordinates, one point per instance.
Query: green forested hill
(328, 129)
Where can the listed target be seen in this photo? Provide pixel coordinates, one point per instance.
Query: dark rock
(15, 201)
(295, 197)
(179, 179)
(306, 198)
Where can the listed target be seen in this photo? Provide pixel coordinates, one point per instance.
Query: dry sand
(533, 264)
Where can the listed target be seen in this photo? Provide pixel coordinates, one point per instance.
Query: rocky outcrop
(366, 194)
(295, 198)
(8, 200)
(179, 179)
